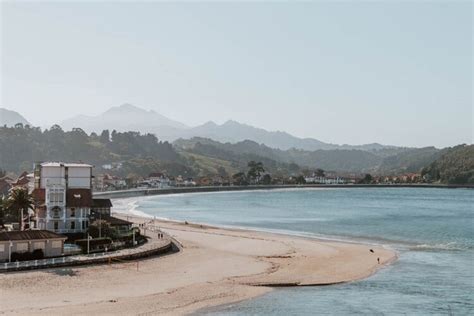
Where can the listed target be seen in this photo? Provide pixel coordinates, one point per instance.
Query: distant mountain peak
(126, 107)
(125, 117)
(128, 117)
(10, 118)
(233, 123)
(210, 124)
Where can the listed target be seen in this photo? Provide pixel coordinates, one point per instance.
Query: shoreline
(210, 189)
(216, 266)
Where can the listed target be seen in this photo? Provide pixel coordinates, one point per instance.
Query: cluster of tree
(455, 166)
(21, 146)
(367, 179)
(101, 228)
(16, 206)
(255, 175)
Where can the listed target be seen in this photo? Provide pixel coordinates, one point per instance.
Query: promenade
(154, 246)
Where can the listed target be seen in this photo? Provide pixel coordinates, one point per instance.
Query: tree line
(21, 146)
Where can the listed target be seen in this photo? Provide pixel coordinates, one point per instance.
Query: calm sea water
(432, 229)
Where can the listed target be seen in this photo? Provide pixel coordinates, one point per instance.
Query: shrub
(94, 244)
(24, 256)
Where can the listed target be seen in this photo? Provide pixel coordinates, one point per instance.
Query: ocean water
(431, 229)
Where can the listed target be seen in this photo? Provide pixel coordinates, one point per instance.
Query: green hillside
(454, 166)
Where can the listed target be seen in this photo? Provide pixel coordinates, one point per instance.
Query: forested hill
(141, 154)
(455, 165)
(138, 154)
(20, 147)
(384, 161)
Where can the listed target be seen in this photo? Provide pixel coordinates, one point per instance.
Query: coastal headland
(214, 266)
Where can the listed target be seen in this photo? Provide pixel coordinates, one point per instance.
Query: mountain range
(128, 117)
(225, 148)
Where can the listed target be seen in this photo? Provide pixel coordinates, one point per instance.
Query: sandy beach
(215, 266)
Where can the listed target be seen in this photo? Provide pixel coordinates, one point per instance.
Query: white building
(64, 196)
(324, 180)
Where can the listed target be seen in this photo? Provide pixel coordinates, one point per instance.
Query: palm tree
(20, 201)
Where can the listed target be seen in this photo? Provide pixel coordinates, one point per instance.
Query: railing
(100, 257)
(65, 230)
(49, 262)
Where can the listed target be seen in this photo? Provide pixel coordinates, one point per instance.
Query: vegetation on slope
(455, 166)
(22, 146)
(384, 161)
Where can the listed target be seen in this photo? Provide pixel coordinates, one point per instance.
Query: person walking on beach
(378, 260)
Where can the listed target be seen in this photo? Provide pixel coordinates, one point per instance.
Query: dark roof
(29, 235)
(4, 186)
(78, 198)
(39, 195)
(101, 203)
(114, 221)
(22, 179)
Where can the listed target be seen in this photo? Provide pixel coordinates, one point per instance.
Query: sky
(393, 72)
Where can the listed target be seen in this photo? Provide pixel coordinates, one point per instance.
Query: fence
(42, 263)
(98, 257)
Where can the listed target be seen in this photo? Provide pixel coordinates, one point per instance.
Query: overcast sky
(390, 72)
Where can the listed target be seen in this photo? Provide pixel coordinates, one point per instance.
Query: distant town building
(105, 182)
(155, 180)
(324, 180)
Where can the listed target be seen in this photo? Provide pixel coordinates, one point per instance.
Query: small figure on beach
(371, 250)
(378, 260)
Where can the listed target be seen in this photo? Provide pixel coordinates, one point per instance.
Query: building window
(56, 244)
(83, 224)
(73, 212)
(56, 225)
(56, 211)
(56, 196)
(39, 245)
(73, 225)
(22, 247)
(2, 248)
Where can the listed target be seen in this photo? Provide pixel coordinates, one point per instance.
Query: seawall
(180, 190)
